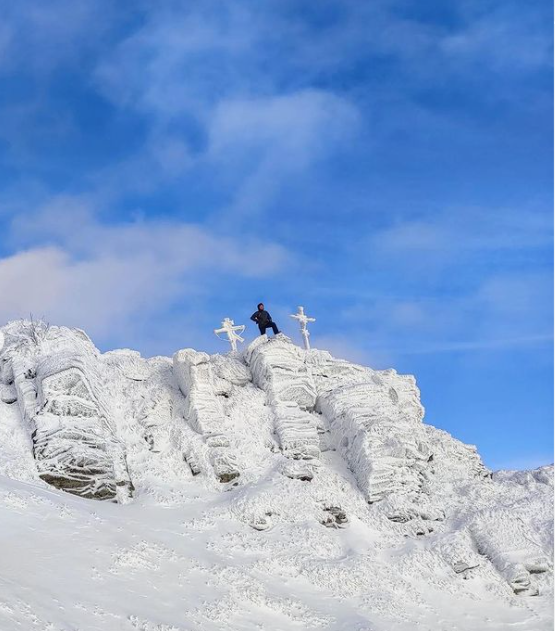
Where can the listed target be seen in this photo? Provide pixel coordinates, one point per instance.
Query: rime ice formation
(320, 469)
(232, 331)
(303, 321)
(194, 374)
(382, 439)
(282, 371)
(74, 442)
(55, 377)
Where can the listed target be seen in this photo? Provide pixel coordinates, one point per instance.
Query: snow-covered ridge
(289, 437)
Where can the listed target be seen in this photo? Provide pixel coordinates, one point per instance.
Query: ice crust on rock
(55, 377)
(379, 433)
(509, 543)
(195, 376)
(278, 440)
(280, 369)
(74, 441)
(297, 432)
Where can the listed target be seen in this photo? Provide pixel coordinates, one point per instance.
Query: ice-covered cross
(230, 329)
(303, 321)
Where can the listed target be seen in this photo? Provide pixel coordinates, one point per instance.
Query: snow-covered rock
(505, 538)
(74, 441)
(57, 384)
(378, 429)
(280, 369)
(297, 431)
(275, 462)
(194, 374)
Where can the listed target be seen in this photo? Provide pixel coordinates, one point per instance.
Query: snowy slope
(271, 489)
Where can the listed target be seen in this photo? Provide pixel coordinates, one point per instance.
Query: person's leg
(262, 328)
(274, 328)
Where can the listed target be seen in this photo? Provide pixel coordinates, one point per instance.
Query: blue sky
(386, 164)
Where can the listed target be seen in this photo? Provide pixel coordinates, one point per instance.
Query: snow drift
(313, 472)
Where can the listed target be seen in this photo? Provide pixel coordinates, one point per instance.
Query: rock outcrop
(56, 384)
(194, 374)
(293, 435)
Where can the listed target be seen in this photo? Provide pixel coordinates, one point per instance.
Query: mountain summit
(274, 488)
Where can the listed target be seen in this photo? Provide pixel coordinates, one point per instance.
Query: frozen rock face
(54, 376)
(375, 422)
(74, 443)
(378, 428)
(296, 431)
(195, 376)
(274, 436)
(508, 542)
(280, 369)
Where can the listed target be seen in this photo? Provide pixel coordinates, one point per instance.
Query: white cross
(230, 328)
(303, 321)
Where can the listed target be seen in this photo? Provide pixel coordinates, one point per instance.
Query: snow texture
(276, 488)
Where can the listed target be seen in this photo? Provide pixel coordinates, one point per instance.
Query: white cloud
(466, 346)
(502, 38)
(199, 68)
(294, 126)
(102, 276)
(41, 36)
(267, 140)
(462, 279)
(450, 232)
(506, 310)
(179, 59)
(31, 281)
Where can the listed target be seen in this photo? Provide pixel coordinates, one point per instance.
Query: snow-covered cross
(303, 321)
(232, 331)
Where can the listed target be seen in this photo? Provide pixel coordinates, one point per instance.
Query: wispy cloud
(103, 276)
(38, 37)
(262, 142)
(503, 37)
(502, 312)
(441, 235)
(469, 346)
(231, 114)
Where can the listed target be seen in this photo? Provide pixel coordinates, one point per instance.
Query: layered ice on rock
(55, 376)
(508, 542)
(377, 425)
(272, 488)
(280, 369)
(74, 441)
(194, 374)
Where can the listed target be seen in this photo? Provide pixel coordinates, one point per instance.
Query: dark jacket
(261, 317)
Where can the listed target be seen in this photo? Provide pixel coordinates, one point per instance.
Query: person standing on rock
(264, 320)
